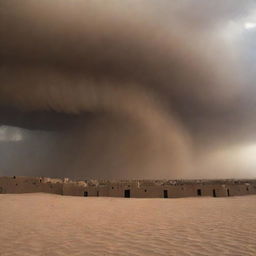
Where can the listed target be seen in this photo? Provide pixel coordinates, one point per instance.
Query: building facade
(129, 188)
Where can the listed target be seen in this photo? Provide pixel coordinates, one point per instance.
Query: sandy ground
(43, 224)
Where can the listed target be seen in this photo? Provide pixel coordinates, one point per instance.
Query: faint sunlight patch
(249, 25)
(8, 133)
(248, 154)
(236, 161)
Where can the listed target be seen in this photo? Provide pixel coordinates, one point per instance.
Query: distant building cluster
(128, 188)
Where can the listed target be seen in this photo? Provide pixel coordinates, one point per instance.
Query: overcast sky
(128, 89)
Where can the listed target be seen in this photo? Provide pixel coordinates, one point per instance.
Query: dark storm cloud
(121, 89)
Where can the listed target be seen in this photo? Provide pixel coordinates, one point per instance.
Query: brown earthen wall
(117, 189)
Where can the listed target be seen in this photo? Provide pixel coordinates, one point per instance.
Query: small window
(145, 190)
(199, 192)
(247, 189)
(112, 187)
(14, 177)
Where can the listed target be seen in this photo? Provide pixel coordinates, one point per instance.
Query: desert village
(128, 188)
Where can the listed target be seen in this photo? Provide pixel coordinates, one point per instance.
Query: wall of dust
(154, 89)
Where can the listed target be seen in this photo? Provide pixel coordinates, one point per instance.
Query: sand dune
(44, 224)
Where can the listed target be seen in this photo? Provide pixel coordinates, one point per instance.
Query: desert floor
(44, 224)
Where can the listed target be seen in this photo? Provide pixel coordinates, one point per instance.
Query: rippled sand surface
(43, 224)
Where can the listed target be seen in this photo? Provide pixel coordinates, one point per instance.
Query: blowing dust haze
(128, 89)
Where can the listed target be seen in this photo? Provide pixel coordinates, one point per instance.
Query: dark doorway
(97, 193)
(127, 193)
(214, 193)
(228, 192)
(165, 193)
(1, 190)
(85, 193)
(199, 192)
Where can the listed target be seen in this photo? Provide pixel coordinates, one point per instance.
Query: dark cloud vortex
(120, 89)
